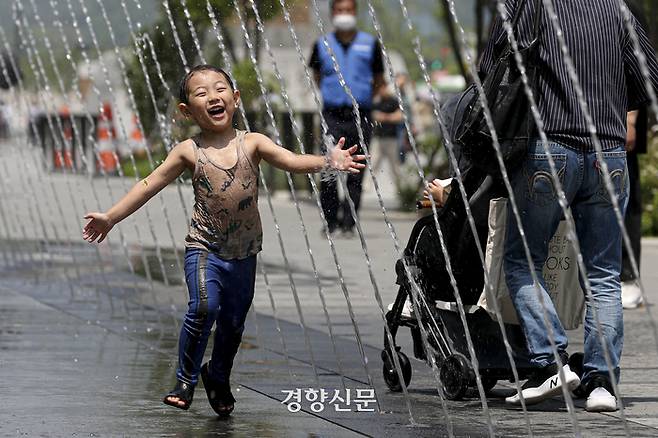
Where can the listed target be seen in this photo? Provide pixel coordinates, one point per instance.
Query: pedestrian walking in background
(388, 124)
(360, 62)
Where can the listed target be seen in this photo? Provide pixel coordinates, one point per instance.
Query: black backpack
(507, 101)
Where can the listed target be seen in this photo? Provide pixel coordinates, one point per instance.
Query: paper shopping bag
(560, 272)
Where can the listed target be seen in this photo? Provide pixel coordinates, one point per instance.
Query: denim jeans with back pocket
(599, 236)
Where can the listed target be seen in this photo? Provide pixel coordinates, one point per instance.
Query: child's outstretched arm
(338, 158)
(100, 224)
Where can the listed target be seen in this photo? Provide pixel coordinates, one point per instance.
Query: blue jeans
(600, 240)
(220, 291)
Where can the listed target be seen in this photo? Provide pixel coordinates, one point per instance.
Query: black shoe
(600, 395)
(183, 392)
(219, 393)
(545, 383)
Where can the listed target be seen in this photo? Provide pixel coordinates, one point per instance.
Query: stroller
(446, 336)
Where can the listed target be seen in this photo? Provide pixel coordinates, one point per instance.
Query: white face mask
(344, 22)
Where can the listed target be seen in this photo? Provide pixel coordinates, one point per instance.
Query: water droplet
(116, 377)
(149, 329)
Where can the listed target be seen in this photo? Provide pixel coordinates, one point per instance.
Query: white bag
(560, 272)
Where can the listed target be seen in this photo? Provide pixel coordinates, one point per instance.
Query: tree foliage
(167, 51)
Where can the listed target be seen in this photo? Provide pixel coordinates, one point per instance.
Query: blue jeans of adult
(599, 235)
(221, 292)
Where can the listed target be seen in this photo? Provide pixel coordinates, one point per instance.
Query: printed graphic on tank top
(225, 219)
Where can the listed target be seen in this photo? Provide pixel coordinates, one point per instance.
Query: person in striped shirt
(602, 49)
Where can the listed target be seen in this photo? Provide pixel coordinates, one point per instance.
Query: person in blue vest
(360, 62)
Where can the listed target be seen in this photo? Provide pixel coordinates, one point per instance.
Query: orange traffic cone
(67, 133)
(108, 159)
(136, 135)
(136, 141)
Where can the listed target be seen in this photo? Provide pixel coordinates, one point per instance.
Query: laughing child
(225, 230)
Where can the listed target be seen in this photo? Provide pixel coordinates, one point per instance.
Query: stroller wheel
(390, 373)
(455, 374)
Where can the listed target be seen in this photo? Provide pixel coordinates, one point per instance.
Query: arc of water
(222, 48)
(562, 198)
(627, 15)
(606, 176)
(252, 310)
(323, 122)
(140, 126)
(5, 42)
(470, 218)
(228, 64)
(190, 25)
(556, 181)
(8, 251)
(147, 40)
(176, 37)
(34, 210)
(30, 185)
(293, 287)
(160, 118)
(78, 140)
(122, 127)
(94, 145)
(415, 289)
(26, 254)
(607, 179)
(436, 108)
(20, 226)
(291, 186)
(38, 69)
(76, 133)
(315, 190)
(20, 23)
(275, 316)
(92, 141)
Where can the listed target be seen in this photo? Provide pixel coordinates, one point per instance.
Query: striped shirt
(602, 51)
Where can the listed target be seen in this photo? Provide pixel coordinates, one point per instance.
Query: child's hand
(97, 228)
(436, 191)
(344, 159)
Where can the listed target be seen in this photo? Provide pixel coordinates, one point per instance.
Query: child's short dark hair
(182, 87)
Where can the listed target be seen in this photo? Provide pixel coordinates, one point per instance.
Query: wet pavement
(89, 349)
(95, 359)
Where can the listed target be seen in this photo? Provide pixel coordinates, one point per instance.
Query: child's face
(211, 101)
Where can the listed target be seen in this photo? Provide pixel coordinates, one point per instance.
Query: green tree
(168, 54)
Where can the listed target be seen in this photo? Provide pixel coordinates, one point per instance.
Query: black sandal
(184, 392)
(219, 394)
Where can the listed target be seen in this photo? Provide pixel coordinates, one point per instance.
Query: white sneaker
(631, 295)
(407, 309)
(543, 386)
(600, 400)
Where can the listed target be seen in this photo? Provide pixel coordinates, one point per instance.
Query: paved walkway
(91, 348)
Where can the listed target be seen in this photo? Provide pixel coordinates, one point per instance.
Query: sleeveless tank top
(225, 219)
